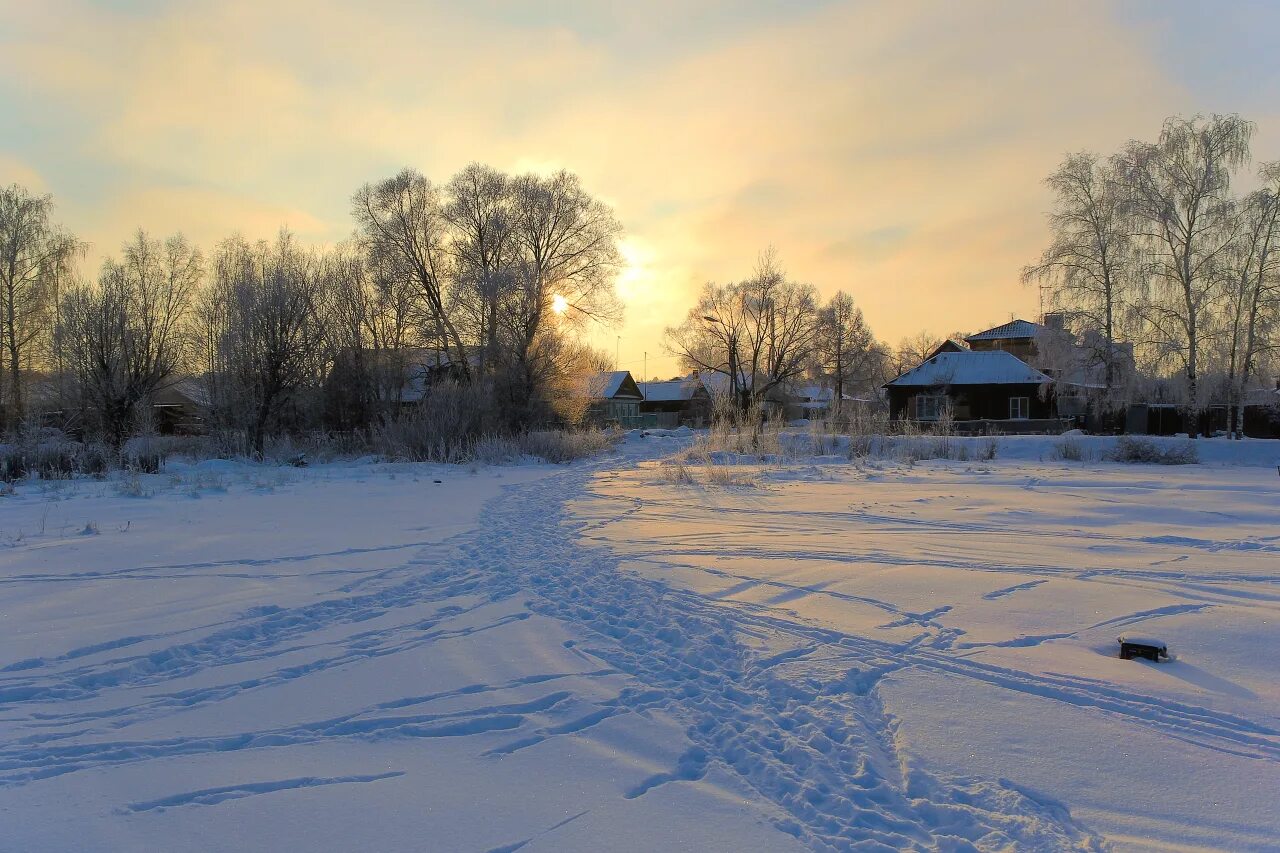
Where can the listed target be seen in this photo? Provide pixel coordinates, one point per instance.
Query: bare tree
(268, 342)
(401, 225)
(1253, 290)
(480, 212)
(35, 255)
(760, 332)
(1090, 263)
(711, 336)
(568, 258)
(912, 352)
(845, 350)
(1178, 192)
(124, 339)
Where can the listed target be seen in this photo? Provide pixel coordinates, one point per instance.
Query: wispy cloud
(891, 149)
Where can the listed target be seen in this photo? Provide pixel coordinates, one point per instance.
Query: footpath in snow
(838, 656)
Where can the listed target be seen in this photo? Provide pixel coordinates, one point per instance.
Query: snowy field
(829, 655)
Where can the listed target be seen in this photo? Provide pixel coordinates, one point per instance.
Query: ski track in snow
(791, 708)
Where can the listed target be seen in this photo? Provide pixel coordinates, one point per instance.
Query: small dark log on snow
(1142, 647)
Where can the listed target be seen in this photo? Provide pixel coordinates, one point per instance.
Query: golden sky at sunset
(894, 150)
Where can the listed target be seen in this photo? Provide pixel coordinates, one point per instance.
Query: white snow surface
(858, 655)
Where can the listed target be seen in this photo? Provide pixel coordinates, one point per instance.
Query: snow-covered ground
(875, 655)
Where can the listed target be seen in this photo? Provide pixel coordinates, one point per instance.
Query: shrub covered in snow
(1130, 448)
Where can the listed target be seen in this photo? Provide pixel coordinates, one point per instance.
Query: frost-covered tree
(36, 255)
(1089, 268)
(480, 211)
(1252, 303)
(845, 350)
(1178, 193)
(401, 225)
(265, 334)
(124, 338)
(759, 332)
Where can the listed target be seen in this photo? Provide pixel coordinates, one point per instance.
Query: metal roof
(1012, 329)
(970, 368)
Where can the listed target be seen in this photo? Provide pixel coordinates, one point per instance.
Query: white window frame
(936, 402)
(1023, 406)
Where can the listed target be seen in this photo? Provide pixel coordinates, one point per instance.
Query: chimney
(1055, 320)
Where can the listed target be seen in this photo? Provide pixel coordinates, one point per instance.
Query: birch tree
(1090, 263)
(1178, 193)
(35, 255)
(1253, 290)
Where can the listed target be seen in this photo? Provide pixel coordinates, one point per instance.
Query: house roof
(970, 368)
(1014, 329)
(614, 384)
(674, 390)
(949, 345)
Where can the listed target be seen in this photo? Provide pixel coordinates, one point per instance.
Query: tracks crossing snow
(792, 709)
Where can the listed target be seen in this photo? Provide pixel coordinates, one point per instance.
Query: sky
(894, 150)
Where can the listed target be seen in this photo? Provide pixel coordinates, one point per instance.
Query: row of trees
(769, 331)
(1152, 252)
(486, 277)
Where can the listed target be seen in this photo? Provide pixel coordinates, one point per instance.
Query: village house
(676, 402)
(991, 389)
(614, 399)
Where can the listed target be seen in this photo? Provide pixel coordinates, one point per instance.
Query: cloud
(894, 150)
(15, 171)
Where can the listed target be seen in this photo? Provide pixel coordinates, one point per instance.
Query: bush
(557, 446)
(1148, 452)
(675, 472)
(1069, 450)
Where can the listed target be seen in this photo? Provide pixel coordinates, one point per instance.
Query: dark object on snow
(1142, 647)
(437, 481)
(298, 460)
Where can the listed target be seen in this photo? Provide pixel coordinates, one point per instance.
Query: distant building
(181, 407)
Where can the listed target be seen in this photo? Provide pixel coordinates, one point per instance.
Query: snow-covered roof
(1012, 329)
(971, 368)
(716, 381)
(671, 391)
(611, 384)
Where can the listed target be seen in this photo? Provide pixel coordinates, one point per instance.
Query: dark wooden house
(985, 389)
(675, 402)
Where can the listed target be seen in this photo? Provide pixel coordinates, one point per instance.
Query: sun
(559, 304)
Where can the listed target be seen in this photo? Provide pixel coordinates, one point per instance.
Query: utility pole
(644, 392)
(617, 352)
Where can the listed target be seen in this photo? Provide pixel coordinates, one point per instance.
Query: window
(928, 407)
(1019, 408)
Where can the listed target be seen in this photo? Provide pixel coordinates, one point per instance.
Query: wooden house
(675, 402)
(983, 389)
(614, 399)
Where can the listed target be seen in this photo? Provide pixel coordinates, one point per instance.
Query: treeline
(1158, 264)
(482, 280)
